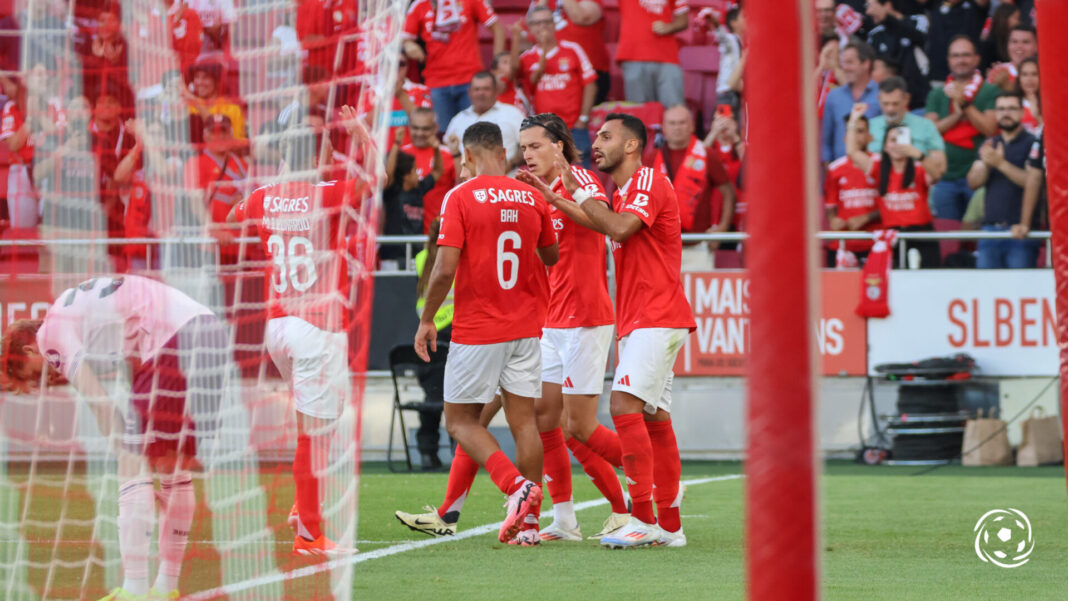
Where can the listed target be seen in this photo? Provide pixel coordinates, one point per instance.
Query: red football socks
(601, 473)
(605, 443)
(307, 488)
(637, 464)
(504, 474)
(557, 465)
(667, 468)
(462, 474)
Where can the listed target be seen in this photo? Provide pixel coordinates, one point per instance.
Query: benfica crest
(564, 64)
(480, 195)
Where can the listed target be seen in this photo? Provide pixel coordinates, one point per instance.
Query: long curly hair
(12, 354)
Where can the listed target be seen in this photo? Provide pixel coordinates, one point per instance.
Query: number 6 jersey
(300, 224)
(502, 291)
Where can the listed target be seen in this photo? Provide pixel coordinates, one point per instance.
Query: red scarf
(690, 181)
(963, 133)
(875, 278)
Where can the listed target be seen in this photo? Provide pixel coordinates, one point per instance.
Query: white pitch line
(395, 549)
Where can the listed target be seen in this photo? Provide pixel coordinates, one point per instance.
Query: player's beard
(608, 163)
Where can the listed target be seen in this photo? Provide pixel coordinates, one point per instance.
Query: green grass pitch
(888, 534)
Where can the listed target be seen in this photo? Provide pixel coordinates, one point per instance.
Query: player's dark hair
(963, 36)
(1025, 28)
(405, 164)
(484, 135)
(556, 131)
(300, 146)
(12, 356)
(486, 75)
(633, 125)
(893, 84)
(731, 17)
(863, 118)
(1010, 94)
(885, 166)
(865, 53)
(891, 64)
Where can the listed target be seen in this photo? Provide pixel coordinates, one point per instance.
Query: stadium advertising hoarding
(1005, 319)
(720, 345)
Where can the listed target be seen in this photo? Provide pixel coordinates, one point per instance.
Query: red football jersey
(636, 27)
(299, 223)
(424, 164)
(450, 30)
(578, 283)
(649, 290)
(11, 120)
(501, 286)
(567, 71)
(902, 206)
(590, 37)
(853, 193)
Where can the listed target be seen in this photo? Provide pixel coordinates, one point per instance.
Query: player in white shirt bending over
(177, 351)
(302, 224)
(577, 335)
(494, 230)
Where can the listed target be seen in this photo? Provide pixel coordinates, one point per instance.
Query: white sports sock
(175, 523)
(137, 512)
(564, 514)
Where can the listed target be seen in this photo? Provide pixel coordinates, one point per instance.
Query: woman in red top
(902, 183)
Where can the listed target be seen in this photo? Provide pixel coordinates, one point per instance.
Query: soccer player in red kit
(302, 225)
(576, 338)
(494, 230)
(653, 319)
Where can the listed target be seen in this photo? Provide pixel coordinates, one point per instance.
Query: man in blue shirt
(856, 61)
(1002, 169)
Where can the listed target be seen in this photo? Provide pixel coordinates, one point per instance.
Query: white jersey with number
(113, 318)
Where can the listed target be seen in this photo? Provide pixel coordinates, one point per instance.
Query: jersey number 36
(294, 265)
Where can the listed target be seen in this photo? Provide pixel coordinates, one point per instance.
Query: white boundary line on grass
(396, 549)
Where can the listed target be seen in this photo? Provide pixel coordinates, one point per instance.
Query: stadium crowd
(105, 129)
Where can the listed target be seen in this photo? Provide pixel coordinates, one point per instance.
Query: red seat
(19, 259)
(701, 59)
(728, 259)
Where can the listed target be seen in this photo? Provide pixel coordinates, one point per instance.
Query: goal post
(1052, 50)
(782, 522)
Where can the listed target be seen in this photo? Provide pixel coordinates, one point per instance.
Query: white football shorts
(314, 361)
(646, 358)
(474, 371)
(576, 358)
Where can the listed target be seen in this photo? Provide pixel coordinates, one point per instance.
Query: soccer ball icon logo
(1003, 538)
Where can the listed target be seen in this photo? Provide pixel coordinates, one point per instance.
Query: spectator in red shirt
(111, 142)
(903, 185)
(559, 78)
(320, 25)
(582, 22)
(725, 143)
(849, 199)
(449, 28)
(15, 133)
(423, 128)
(701, 185)
(186, 32)
(220, 174)
(103, 49)
(512, 94)
(649, 54)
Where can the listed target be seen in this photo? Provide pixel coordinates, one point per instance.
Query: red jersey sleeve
(590, 184)
(682, 6)
(452, 221)
(527, 62)
(921, 179)
(640, 199)
(483, 12)
(547, 237)
(252, 207)
(413, 21)
(830, 190)
(588, 74)
(873, 169)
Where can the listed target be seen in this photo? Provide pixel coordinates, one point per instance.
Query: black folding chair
(404, 366)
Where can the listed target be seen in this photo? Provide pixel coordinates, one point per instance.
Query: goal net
(137, 125)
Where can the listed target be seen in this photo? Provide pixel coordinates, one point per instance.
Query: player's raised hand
(426, 335)
(567, 178)
(530, 179)
(350, 120)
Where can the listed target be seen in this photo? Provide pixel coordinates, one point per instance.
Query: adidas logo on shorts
(567, 383)
(624, 381)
